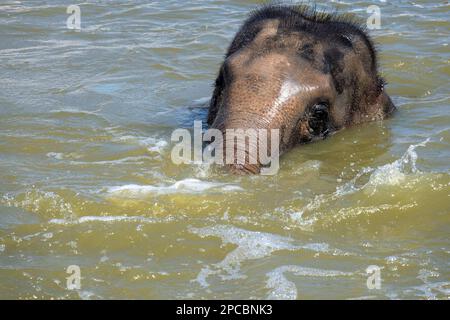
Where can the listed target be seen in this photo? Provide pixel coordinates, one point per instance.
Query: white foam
(394, 173)
(76, 111)
(64, 156)
(152, 144)
(250, 245)
(55, 155)
(202, 101)
(182, 186)
(107, 219)
(134, 159)
(432, 290)
(37, 201)
(283, 289)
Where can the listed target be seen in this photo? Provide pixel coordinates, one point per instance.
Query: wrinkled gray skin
(304, 73)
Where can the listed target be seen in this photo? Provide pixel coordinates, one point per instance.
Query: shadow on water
(197, 111)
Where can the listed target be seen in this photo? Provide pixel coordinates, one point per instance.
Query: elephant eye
(318, 118)
(320, 109)
(381, 84)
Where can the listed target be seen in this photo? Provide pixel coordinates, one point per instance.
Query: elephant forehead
(289, 88)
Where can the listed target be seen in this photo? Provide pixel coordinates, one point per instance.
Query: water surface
(87, 180)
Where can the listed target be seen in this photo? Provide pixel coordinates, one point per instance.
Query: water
(86, 177)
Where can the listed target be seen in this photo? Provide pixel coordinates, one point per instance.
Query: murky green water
(87, 180)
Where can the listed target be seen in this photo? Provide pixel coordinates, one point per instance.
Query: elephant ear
(351, 41)
(383, 101)
(217, 94)
(334, 65)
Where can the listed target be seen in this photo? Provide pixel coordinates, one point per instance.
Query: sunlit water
(87, 180)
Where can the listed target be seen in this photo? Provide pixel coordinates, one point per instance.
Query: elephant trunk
(249, 143)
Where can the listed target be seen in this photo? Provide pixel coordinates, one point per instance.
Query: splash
(44, 203)
(126, 160)
(251, 245)
(394, 173)
(153, 144)
(182, 186)
(367, 180)
(106, 219)
(430, 289)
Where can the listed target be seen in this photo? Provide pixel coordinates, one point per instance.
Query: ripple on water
(182, 186)
(85, 164)
(368, 181)
(251, 245)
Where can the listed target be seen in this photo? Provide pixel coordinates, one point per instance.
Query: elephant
(306, 73)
